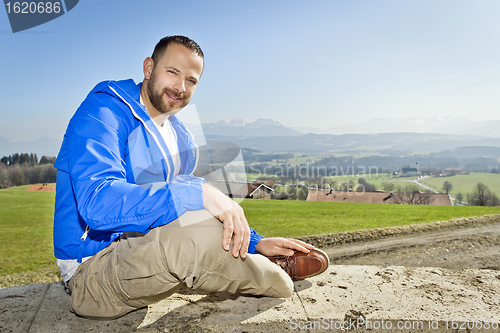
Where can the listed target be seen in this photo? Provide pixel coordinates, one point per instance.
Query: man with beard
(127, 225)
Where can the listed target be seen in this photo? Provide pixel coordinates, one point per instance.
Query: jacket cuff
(254, 239)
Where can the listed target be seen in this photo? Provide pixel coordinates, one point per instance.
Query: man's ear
(147, 67)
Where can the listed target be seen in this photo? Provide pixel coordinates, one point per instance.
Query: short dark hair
(183, 40)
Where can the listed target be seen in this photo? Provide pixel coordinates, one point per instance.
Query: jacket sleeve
(93, 153)
(254, 239)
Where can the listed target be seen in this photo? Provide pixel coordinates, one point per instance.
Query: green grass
(26, 222)
(466, 183)
(300, 218)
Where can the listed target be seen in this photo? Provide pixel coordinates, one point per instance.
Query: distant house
(455, 171)
(436, 199)
(409, 172)
(255, 190)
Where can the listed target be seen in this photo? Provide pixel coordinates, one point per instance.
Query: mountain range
(386, 135)
(40, 147)
(258, 128)
(453, 125)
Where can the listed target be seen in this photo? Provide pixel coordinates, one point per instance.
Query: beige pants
(141, 269)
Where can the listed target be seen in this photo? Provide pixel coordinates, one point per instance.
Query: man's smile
(173, 98)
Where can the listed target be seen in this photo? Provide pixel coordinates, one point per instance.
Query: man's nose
(180, 86)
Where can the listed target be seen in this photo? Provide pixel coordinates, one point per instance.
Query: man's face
(173, 79)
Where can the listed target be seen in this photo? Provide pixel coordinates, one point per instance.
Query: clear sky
(317, 63)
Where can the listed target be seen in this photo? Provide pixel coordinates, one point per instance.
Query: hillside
(465, 183)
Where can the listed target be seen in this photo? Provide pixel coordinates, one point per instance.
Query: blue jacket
(115, 173)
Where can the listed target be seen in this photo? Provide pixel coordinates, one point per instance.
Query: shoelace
(288, 266)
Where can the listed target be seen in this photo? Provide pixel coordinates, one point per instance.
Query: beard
(156, 96)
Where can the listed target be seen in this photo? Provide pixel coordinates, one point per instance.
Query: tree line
(23, 169)
(481, 195)
(341, 165)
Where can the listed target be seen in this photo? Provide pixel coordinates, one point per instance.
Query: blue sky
(317, 63)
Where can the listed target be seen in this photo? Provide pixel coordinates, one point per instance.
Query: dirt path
(472, 242)
(473, 247)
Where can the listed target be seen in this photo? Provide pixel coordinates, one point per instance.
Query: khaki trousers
(141, 269)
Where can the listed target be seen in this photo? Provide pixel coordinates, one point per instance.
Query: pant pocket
(140, 272)
(91, 295)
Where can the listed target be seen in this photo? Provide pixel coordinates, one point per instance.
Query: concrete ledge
(355, 298)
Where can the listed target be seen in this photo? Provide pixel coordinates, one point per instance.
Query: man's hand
(278, 246)
(233, 218)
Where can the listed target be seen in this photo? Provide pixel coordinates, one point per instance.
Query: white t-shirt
(170, 138)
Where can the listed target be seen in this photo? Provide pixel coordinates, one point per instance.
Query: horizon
(304, 129)
(248, 137)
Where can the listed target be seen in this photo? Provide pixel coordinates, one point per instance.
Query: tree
(388, 186)
(44, 160)
(459, 198)
(410, 195)
(292, 192)
(17, 176)
(347, 186)
(494, 201)
(302, 193)
(16, 158)
(332, 183)
(447, 186)
(482, 196)
(365, 186)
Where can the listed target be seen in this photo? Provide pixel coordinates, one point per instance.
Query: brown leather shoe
(302, 265)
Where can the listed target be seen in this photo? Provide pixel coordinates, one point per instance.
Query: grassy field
(300, 218)
(26, 219)
(465, 183)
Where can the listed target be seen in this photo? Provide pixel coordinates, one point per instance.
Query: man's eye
(171, 72)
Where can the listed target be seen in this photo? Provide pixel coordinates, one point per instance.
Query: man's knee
(204, 233)
(191, 247)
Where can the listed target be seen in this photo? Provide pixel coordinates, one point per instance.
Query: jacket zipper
(83, 238)
(153, 135)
